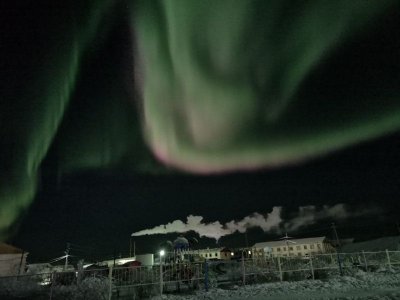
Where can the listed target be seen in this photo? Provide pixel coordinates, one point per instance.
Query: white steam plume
(215, 229)
(272, 222)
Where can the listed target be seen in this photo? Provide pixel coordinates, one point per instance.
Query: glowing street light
(162, 253)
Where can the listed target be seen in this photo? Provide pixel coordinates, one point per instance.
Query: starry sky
(117, 116)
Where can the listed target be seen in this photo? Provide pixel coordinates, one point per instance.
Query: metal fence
(147, 281)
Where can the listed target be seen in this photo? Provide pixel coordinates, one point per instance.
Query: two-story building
(293, 247)
(213, 253)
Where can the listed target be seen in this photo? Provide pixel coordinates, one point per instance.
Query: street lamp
(162, 253)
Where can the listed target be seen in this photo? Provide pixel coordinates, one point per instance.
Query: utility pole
(66, 256)
(337, 248)
(336, 235)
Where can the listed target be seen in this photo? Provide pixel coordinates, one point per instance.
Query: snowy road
(361, 286)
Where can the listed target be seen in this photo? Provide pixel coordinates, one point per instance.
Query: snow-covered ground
(379, 285)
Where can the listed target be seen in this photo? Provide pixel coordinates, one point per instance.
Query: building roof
(8, 249)
(221, 249)
(389, 242)
(279, 243)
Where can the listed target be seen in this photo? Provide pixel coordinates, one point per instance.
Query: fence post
(388, 259)
(312, 268)
(51, 285)
(206, 275)
(365, 261)
(280, 268)
(340, 264)
(110, 271)
(243, 271)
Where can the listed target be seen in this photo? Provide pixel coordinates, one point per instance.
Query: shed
(12, 260)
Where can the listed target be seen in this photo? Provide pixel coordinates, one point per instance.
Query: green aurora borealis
(221, 85)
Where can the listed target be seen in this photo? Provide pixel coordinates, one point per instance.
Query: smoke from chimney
(271, 222)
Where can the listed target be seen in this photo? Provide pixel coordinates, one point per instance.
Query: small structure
(12, 260)
(144, 259)
(214, 253)
(181, 244)
(39, 268)
(293, 247)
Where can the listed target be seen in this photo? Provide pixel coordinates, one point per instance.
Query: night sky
(117, 116)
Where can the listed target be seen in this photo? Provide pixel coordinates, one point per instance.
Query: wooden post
(388, 259)
(20, 262)
(243, 271)
(110, 271)
(312, 268)
(280, 268)
(365, 261)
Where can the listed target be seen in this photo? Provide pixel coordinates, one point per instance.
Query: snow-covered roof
(389, 242)
(222, 249)
(311, 240)
(8, 249)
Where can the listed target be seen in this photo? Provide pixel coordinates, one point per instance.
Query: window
(216, 254)
(299, 254)
(311, 246)
(319, 246)
(298, 248)
(284, 248)
(291, 248)
(305, 247)
(278, 249)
